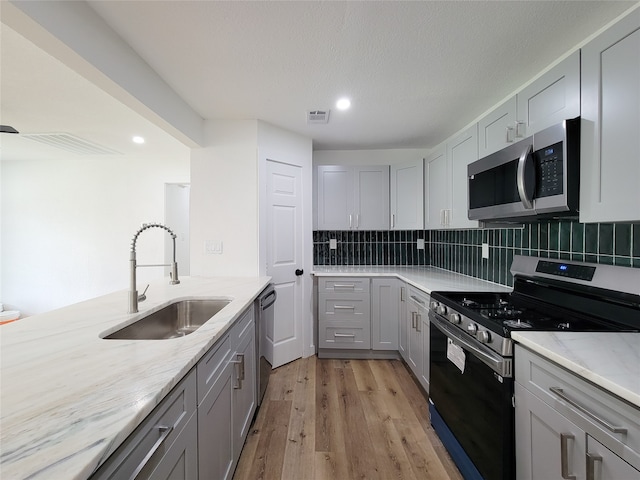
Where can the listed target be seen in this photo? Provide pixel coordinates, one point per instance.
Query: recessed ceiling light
(343, 104)
(138, 139)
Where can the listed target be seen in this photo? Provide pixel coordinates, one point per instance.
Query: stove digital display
(579, 272)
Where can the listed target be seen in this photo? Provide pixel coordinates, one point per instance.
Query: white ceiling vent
(318, 116)
(70, 143)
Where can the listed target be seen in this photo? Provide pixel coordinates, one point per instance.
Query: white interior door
(284, 259)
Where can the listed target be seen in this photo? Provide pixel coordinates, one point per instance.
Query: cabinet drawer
(211, 366)
(332, 336)
(156, 433)
(333, 309)
(587, 405)
(242, 328)
(419, 298)
(343, 285)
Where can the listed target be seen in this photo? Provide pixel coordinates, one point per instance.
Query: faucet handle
(143, 297)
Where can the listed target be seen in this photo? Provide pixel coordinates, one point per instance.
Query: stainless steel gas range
(471, 351)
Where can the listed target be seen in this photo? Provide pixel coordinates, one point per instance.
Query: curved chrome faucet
(133, 292)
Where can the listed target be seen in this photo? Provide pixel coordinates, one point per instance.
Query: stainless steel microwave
(537, 177)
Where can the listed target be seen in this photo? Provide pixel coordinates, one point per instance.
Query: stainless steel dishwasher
(265, 304)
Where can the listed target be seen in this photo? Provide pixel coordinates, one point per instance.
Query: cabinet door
(423, 318)
(180, 461)
(497, 129)
(610, 163)
(244, 389)
(414, 340)
(215, 431)
(403, 326)
(603, 464)
(407, 196)
(546, 440)
(436, 194)
(371, 200)
(385, 305)
(461, 151)
(551, 98)
(335, 197)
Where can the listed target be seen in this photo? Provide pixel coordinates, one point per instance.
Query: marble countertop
(427, 279)
(69, 398)
(610, 360)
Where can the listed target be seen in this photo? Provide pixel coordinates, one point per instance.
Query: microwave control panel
(549, 170)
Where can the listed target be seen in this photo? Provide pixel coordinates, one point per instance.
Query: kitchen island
(69, 397)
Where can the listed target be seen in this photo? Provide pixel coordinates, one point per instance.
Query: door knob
(299, 272)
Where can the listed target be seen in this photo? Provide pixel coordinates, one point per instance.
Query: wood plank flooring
(343, 419)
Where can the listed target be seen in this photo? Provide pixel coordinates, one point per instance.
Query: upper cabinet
(446, 196)
(610, 140)
(407, 196)
(549, 99)
(353, 197)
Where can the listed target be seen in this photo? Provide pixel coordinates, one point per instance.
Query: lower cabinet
(385, 306)
(417, 326)
(199, 428)
(568, 428)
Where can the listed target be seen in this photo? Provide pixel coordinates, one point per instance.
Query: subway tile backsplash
(461, 250)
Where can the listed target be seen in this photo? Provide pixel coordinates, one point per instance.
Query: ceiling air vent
(318, 116)
(71, 143)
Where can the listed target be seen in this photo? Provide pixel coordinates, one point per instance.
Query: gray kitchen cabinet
(418, 330)
(497, 129)
(344, 313)
(437, 194)
(567, 426)
(353, 197)
(609, 163)
(407, 196)
(549, 99)
(164, 445)
(385, 307)
(403, 326)
(244, 389)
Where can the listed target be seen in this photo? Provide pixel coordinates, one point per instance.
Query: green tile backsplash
(461, 250)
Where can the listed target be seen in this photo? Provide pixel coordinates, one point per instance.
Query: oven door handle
(498, 364)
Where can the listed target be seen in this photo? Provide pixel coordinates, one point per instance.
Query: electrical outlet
(420, 244)
(485, 250)
(333, 243)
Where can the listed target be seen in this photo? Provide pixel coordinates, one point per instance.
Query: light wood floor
(343, 419)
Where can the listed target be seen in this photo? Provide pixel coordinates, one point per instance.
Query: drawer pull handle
(344, 307)
(592, 458)
(564, 456)
(612, 428)
(417, 300)
(344, 335)
(239, 376)
(164, 433)
(344, 285)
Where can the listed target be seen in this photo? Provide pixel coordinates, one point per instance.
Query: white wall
(368, 157)
(67, 226)
(224, 199)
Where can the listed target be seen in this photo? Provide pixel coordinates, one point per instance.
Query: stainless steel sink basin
(175, 320)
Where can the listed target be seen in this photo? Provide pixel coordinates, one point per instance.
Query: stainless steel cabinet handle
(344, 285)
(350, 221)
(344, 307)
(564, 456)
(393, 221)
(413, 319)
(418, 322)
(240, 374)
(417, 300)
(357, 220)
(402, 294)
(344, 335)
(612, 428)
(591, 465)
(510, 136)
(164, 433)
(520, 129)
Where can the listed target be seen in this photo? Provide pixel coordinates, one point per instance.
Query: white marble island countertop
(69, 398)
(610, 360)
(427, 279)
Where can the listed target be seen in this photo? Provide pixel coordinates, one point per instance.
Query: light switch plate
(420, 244)
(333, 243)
(212, 247)
(485, 250)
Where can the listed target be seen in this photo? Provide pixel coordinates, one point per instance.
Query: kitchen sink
(173, 321)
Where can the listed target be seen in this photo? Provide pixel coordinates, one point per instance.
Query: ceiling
(415, 72)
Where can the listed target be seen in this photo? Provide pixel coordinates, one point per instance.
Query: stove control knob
(455, 318)
(484, 336)
(472, 328)
(441, 310)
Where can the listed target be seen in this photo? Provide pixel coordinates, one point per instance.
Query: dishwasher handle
(268, 300)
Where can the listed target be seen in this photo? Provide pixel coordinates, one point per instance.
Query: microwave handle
(526, 177)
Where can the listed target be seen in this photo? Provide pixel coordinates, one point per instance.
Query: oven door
(471, 392)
